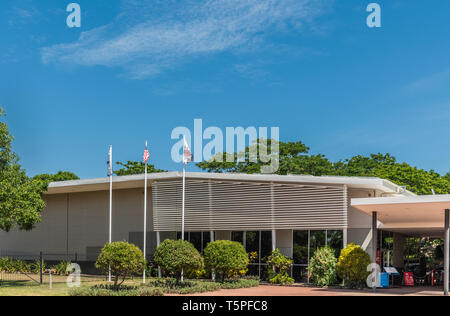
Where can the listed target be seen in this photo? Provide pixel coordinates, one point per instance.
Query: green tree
(295, 158)
(57, 177)
(135, 167)
(386, 166)
(175, 256)
(227, 258)
(352, 266)
(124, 259)
(20, 197)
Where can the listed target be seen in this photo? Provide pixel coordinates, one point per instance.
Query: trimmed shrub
(174, 256)
(278, 268)
(352, 266)
(227, 258)
(124, 259)
(323, 267)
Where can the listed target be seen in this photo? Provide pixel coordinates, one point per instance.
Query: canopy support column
(374, 237)
(446, 251)
(374, 247)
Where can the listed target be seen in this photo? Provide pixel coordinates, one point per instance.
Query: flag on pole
(110, 162)
(146, 153)
(187, 154)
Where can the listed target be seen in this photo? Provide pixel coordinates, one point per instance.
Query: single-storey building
(294, 213)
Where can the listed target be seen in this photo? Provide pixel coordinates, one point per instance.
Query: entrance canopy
(411, 215)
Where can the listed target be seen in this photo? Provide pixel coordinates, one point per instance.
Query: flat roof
(414, 215)
(136, 181)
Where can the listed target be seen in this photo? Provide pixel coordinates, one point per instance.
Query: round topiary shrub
(227, 258)
(323, 267)
(124, 259)
(352, 266)
(174, 256)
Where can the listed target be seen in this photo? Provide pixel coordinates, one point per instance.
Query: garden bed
(159, 287)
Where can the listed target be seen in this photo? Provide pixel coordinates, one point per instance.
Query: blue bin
(384, 280)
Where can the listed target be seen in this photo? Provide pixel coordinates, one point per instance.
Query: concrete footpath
(269, 290)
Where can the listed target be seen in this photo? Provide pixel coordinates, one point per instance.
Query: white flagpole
(182, 204)
(110, 203)
(183, 201)
(145, 214)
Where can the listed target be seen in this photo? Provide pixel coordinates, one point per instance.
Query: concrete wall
(359, 224)
(223, 235)
(284, 242)
(78, 223)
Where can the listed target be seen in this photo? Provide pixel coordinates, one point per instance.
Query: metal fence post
(41, 264)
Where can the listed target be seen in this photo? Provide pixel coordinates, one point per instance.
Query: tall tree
(294, 158)
(20, 197)
(57, 177)
(135, 167)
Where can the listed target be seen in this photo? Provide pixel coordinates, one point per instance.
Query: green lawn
(24, 286)
(60, 288)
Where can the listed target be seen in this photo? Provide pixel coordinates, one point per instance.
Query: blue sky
(137, 69)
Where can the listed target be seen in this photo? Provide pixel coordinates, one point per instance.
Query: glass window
(206, 239)
(300, 273)
(335, 240)
(300, 250)
(316, 241)
(186, 236)
(237, 236)
(266, 245)
(196, 239)
(252, 242)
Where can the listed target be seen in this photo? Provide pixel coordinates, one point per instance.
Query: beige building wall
(78, 223)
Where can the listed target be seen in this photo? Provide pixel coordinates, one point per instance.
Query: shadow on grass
(21, 283)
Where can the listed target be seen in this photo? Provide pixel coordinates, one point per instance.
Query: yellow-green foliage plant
(278, 267)
(352, 266)
(323, 266)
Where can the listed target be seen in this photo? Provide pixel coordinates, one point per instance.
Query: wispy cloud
(149, 37)
(431, 83)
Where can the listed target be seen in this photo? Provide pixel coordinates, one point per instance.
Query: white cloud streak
(151, 36)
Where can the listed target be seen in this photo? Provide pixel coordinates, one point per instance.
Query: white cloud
(431, 83)
(151, 36)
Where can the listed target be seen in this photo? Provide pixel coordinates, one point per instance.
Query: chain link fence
(45, 268)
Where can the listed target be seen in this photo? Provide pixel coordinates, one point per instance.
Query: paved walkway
(268, 290)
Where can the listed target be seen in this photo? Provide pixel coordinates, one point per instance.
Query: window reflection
(335, 240)
(316, 241)
(300, 245)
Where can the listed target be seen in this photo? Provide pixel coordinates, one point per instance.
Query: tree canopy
(295, 158)
(21, 200)
(135, 167)
(57, 177)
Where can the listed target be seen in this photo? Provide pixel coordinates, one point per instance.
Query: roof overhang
(416, 215)
(136, 181)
